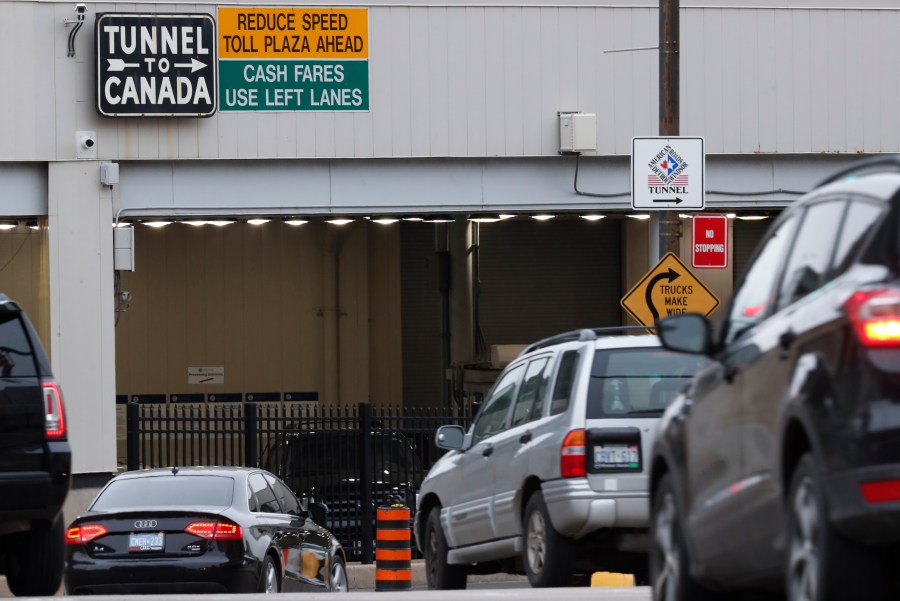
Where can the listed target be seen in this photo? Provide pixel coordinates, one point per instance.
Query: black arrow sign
(670, 275)
(676, 200)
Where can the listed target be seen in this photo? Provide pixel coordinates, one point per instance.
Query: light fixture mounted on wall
(78, 22)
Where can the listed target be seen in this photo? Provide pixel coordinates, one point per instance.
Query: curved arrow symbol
(670, 275)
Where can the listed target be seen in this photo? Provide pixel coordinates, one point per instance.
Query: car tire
(670, 563)
(338, 580)
(438, 573)
(549, 557)
(38, 560)
(269, 580)
(822, 564)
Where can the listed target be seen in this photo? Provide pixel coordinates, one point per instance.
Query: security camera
(87, 142)
(124, 296)
(80, 9)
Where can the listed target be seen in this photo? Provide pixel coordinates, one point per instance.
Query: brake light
(572, 455)
(881, 491)
(55, 418)
(78, 535)
(875, 315)
(215, 530)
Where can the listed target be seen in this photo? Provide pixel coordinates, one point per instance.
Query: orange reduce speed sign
(668, 289)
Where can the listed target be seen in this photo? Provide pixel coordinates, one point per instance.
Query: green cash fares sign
(293, 59)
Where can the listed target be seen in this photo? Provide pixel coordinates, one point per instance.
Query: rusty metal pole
(669, 28)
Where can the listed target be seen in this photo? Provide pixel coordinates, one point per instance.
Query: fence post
(250, 416)
(132, 436)
(366, 452)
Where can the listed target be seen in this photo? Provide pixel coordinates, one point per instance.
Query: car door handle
(525, 438)
(488, 450)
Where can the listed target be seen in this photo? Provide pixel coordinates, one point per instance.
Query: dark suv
(35, 460)
(779, 467)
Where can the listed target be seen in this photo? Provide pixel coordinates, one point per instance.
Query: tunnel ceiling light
(639, 216)
(195, 222)
(543, 217)
(8, 225)
(730, 215)
(220, 222)
(506, 215)
(593, 217)
(385, 219)
(413, 218)
(438, 219)
(339, 220)
(486, 218)
(296, 221)
(752, 217)
(32, 224)
(258, 221)
(157, 224)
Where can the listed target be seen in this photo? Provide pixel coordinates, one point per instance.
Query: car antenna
(174, 470)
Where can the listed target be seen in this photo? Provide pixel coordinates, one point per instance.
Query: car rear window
(166, 491)
(637, 382)
(16, 354)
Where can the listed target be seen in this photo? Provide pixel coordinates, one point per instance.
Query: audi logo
(145, 524)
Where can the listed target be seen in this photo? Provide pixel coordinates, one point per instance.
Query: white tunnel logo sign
(156, 65)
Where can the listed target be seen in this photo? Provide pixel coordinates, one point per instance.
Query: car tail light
(78, 535)
(215, 530)
(55, 421)
(881, 491)
(572, 454)
(875, 315)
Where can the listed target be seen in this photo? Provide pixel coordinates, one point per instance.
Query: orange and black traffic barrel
(393, 553)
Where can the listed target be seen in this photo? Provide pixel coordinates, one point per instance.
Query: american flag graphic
(681, 180)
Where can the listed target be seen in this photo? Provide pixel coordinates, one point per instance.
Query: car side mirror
(687, 333)
(450, 438)
(318, 512)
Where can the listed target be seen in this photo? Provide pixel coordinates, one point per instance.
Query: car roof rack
(871, 163)
(582, 335)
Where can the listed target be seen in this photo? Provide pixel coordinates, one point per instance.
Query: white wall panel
(455, 79)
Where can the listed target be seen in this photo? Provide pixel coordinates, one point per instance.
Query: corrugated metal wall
(539, 279)
(471, 81)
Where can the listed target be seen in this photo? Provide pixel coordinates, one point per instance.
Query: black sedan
(201, 529)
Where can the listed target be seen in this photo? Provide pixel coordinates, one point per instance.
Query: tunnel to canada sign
(293, 59)
(156, 65)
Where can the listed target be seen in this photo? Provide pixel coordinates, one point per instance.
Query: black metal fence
(352, 458)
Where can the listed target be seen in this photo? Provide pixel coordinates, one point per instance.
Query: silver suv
(551, 477)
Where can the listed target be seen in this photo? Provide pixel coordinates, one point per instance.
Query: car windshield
(641, 381)
(166, 491)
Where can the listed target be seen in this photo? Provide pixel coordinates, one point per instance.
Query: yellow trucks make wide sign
(668, 289)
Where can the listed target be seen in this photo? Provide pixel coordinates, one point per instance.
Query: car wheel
(339, 582)
(549, 556)
(38, 561)
(269, 582)
(822, 564)
(670, 573)
(438, 573)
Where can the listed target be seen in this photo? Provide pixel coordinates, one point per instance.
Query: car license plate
(146, 541)
(617, 456)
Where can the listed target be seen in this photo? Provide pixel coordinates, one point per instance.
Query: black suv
(779, 467)
(35, 460)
